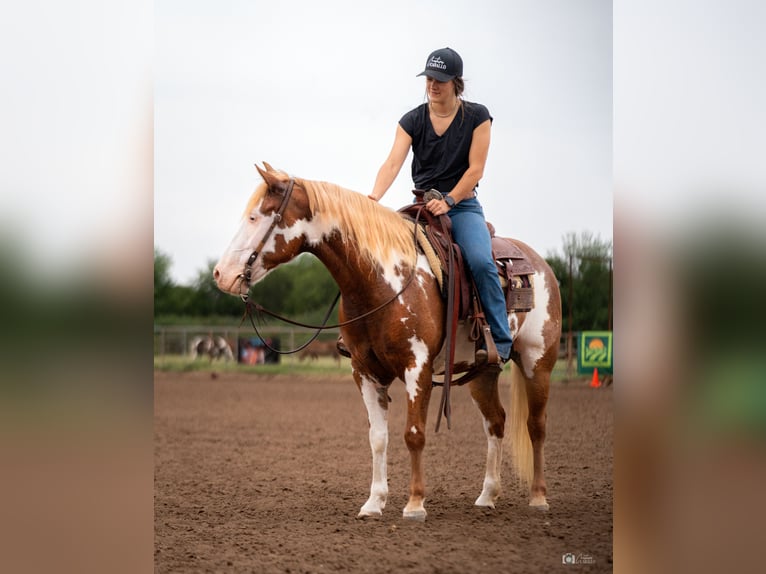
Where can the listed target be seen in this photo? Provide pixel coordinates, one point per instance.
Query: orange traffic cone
(594, 382)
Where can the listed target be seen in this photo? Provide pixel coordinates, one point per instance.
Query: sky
(316, 89)
(130, 124)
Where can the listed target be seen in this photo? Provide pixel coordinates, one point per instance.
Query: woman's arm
(390, 168)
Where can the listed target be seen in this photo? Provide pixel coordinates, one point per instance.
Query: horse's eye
(252, 218)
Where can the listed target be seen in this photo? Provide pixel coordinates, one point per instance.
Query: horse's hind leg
(527, 433)
(484, 393)
(537, 399)
(375, 398)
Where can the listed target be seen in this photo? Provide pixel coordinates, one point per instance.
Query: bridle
(244, 277)
(244, 280)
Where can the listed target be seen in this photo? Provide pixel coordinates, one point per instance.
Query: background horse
(389, 288)
(318, 348)
(212, 347)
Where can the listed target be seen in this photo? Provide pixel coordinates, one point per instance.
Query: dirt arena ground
(265, 473)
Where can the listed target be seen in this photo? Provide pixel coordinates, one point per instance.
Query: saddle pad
(428, 251)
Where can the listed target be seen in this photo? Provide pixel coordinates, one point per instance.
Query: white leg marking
(491, 488)
(378, 417)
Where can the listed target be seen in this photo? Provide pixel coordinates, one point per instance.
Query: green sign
(594, 351)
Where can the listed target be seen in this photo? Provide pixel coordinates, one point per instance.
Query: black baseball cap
(443, 65)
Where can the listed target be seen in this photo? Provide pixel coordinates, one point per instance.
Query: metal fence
(176, 339)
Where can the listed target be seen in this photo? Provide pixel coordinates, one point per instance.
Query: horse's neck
(344, 263)
(355, 275)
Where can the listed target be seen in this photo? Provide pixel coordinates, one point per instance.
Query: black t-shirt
(440, 161)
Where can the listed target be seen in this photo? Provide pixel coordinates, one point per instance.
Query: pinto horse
(212, 347)
(393, 322)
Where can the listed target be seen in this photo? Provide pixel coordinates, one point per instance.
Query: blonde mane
(382, 236)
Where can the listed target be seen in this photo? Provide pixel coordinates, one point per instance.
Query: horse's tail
(518, 433)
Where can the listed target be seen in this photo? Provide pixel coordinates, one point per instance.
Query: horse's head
(269, 234)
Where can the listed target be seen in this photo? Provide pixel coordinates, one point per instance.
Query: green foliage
(208, 300)
(585, 280)
(163, 284)
(302, 289)
(288, 365)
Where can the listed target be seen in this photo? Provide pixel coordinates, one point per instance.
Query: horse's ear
(269, 174)
(272, 178)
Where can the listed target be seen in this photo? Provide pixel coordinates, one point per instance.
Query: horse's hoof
(373, 508)
(539, 504)
(485, 502)
(370, 511)
(414, 515)
(489, 494)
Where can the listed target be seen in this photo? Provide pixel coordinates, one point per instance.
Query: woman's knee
(480, 263)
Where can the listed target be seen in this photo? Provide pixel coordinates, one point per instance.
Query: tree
(179, 300)
(208, 300)
(584, 274)
(162, 263)
(303, 288)
(163, 284)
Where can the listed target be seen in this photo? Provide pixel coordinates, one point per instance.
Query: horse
(212, 347)
(318, 349)
(392, 315)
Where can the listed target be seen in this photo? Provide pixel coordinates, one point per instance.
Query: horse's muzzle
(233, 287)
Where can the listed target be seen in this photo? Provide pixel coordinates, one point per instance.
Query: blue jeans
(469, 230)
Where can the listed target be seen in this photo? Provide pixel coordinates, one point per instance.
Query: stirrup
(482, 357)
(342, 349)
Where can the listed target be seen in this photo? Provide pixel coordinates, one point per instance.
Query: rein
(244, 278)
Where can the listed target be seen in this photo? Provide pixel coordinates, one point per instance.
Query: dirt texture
(266, 473)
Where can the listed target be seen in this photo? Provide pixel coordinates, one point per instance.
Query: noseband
(244, 277)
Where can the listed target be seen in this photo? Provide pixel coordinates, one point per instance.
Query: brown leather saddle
(513, 267)
(458, 288)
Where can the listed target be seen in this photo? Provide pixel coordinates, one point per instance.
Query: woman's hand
(437, 207)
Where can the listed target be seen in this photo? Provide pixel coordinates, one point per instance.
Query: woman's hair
(459, 85)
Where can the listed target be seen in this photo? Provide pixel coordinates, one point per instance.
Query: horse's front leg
(375, 398)
(419, 394)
